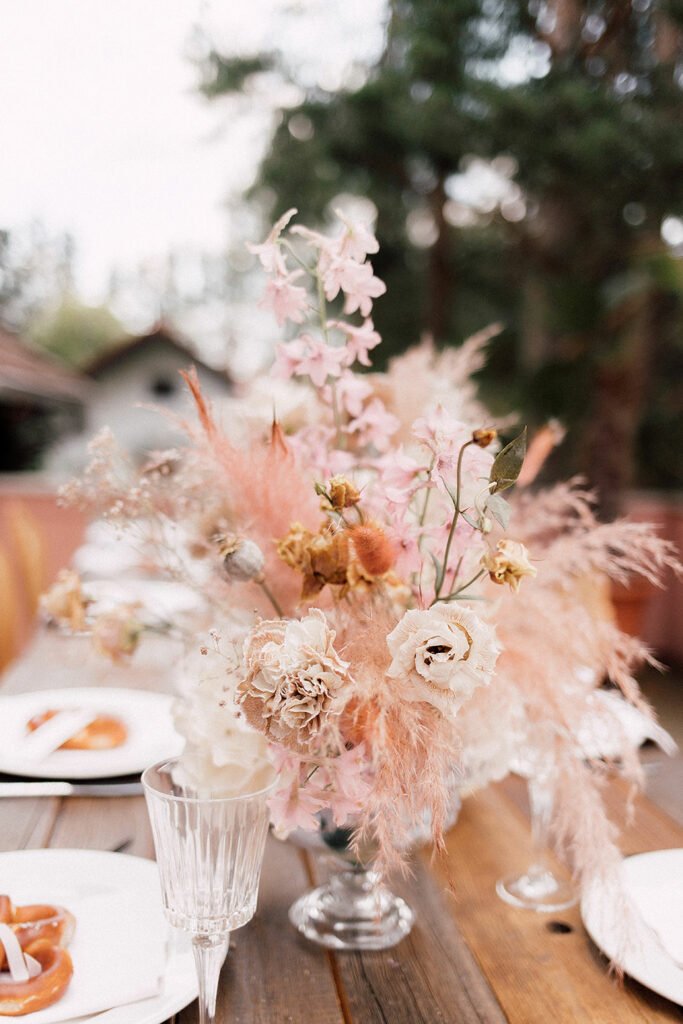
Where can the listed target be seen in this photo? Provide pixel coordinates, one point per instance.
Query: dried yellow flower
(509, 563)
(342, 493)
(484, 436)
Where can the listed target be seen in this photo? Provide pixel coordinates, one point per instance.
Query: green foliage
(76, 333)
(508, 463)
(590, 294)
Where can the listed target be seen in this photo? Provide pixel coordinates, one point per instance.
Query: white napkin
(118, 952)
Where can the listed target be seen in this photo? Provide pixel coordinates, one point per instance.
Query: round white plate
(85, 881)
(654, 955)
(147, 717)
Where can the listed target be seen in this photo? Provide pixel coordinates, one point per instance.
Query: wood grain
(536, 973)
(430, 978)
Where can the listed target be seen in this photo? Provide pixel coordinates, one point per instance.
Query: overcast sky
(104, 134)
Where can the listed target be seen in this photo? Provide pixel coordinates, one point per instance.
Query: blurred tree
(75, 332)
(525, 160)
(36, 268)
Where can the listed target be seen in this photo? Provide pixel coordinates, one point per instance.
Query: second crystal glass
(209, 852)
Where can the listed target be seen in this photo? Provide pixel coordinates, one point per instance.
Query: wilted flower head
(65, 602)
(243, 560)
(342, 493)
(509, 563)
(441, 655)
(116, 633)
(295, 680)
(484, 436)
(321, 557)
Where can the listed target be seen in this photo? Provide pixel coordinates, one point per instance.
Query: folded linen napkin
(118, 952)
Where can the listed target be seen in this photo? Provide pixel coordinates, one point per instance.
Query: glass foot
(352, 911)
(537, 890)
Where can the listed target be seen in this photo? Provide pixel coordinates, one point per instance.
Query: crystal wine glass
(209, 853)
(538, 888)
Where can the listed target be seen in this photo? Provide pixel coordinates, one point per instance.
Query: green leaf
(471, 521)
(500, 509)
(507, 463)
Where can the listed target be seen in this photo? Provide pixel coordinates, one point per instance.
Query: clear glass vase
(538, 888)
(354, 909)
(209, 853)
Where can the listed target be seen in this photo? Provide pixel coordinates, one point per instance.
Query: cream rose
(294, 679)
(441, 655)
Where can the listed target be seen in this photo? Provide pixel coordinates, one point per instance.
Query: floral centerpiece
(388, 619)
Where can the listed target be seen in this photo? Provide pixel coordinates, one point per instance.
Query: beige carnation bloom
(509, 563)
(295, 680)
(441, 655)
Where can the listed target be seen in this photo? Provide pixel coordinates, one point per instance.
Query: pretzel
(56, 969)
(32, 940)
(37, 921)
(103, 733)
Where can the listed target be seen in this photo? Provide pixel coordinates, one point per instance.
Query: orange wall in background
(37, 539)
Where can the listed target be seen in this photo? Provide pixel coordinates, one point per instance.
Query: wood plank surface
(429, 978)
(537, 971)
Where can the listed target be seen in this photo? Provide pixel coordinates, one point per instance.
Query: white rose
(441, 655)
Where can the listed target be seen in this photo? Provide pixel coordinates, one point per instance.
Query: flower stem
(451, 533)
(460, 590)
(271, 597)
(322, 312)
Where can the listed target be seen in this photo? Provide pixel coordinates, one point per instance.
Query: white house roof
(160, 334)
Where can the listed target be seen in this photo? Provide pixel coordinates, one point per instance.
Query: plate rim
(636, 974)
(39, 770)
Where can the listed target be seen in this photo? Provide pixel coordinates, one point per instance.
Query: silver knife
(56, 788)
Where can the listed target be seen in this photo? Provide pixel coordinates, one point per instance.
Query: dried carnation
(509, 563)
(295, 680)
(441, 655)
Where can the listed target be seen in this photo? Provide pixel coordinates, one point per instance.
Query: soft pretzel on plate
(103, 733)
(32, 941)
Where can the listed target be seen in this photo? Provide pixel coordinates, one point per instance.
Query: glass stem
(541, 805)
(210, 952)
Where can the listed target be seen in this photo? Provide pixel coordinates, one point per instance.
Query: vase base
(541, 891)
(350, 920)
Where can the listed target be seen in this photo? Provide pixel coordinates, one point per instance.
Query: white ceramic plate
(654, 955)
(147, 717)
(78, 880)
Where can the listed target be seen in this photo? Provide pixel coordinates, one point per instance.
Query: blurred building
(40, 399)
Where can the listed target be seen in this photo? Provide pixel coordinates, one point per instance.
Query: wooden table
(470, 958)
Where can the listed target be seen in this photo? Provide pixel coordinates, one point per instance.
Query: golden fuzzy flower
(509, 563)
(342, 493)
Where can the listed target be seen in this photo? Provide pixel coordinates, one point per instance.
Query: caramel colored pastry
(104, 733)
